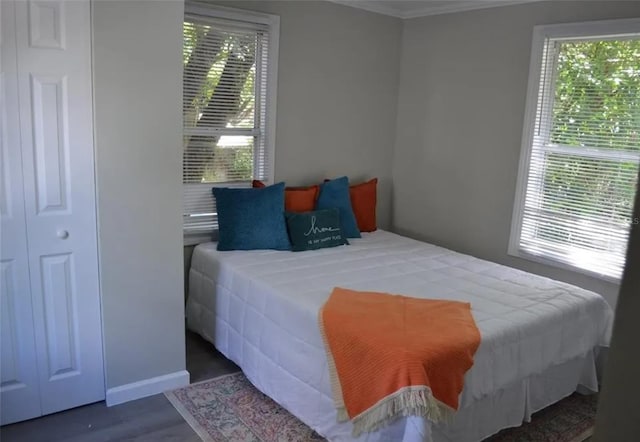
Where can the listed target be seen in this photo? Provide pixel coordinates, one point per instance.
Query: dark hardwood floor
(149, 419)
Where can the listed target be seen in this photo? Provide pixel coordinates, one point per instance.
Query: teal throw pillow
(335, 194)
(250, 219)
(315, 230)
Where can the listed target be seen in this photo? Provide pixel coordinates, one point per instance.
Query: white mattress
(259, 308)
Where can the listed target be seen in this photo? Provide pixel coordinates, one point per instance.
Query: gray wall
(463, 85)
(337, 94)
(138, 123)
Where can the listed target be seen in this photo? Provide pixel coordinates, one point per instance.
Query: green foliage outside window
(596, 105)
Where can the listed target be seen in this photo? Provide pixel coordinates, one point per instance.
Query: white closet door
(56, 122)
(19, 395)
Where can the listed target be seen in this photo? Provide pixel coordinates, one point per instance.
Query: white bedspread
(260, 309)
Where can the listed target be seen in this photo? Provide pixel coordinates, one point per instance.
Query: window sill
(194, 240)
(561, 265)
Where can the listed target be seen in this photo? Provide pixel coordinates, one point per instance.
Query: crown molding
(371, 6)
(428, 9)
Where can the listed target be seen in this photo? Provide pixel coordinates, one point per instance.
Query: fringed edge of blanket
(336, 388)
(417, 400)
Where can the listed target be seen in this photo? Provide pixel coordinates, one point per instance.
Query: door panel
(54, 84)
(60, 314)
(50, 143)
(10, 371)
(19, 392)
(46, 24)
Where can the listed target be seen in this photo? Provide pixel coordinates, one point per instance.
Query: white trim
(147, 387)
(272, 95)
(562, 265)
(222, 131)
(535, 66)
(589, 29)
(452, 7)
(594, 152)
(428, 9)
(96, 190)
(224, 12)
(371, 6)
(599, 29)
(195, 239)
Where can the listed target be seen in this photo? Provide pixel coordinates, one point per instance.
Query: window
(229, 81)
(581, 147)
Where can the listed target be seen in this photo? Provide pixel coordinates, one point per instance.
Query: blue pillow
(250, 219)
(335, 194)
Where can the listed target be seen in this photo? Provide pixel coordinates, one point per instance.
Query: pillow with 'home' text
(315, 230)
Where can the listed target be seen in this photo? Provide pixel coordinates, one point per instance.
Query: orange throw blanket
(392, 356)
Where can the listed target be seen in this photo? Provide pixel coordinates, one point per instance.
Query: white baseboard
(146, 387)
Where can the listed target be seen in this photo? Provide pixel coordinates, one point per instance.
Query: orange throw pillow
(296, 199)
(363, 201)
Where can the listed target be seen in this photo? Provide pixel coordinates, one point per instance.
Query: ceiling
(420, 8)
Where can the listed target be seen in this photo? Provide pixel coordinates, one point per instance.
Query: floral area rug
(230, 409)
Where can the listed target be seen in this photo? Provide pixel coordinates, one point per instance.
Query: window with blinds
(228, 108)
(581, 150)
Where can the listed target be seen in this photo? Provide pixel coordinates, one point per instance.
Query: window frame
(594, 30)
(251, 18)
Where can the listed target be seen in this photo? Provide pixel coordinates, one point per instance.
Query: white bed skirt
(514, 405)
(509, 407)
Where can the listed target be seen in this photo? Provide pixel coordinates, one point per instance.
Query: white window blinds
(583, 150)
(226, 110)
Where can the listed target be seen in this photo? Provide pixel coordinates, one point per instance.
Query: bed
(540, 337)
